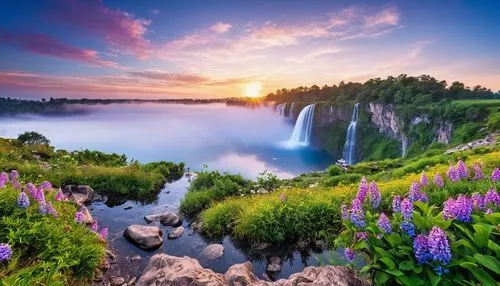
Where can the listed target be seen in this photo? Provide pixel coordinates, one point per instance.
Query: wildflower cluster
(5, 252)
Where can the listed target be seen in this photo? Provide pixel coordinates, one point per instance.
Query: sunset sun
(252, 89)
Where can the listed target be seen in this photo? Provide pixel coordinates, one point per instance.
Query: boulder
(274, 264)
(167, 219)
(212, 251)
(176, 232)
(117, 281)
(166, 270)
(323, 275)
(87, 217)
(80, 194)
(145, 237)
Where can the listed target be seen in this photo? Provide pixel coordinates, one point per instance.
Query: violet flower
(384, 223)
(23, 201)
(478, 172)
(439, 246)
(375, 197)
(5, 252)
(495, 176)
(407, 209)
(424, 180)
(453, 174)
(362, 235)
(357, 214)
(438, 180)
(349, 254)
(362, 190)
(478, 201)
(421, 249)
(463, 208)
(345, 212)
(463, 172)
(396, 204)
(492, 199)
(104, 233)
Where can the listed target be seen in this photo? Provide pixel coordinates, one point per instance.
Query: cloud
(188, 79)
(122, 30)
(221, 27)
(48, 46)
(155, 11)
(388, 16)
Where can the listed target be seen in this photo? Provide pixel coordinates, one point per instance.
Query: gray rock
(146, 237)
(212, 251)
(117, 281)
(176, 232)
(87, 217)
(80, 194)
(168, 218)
(274, 264)
(166, 270)
(135, 258)
(132, 281)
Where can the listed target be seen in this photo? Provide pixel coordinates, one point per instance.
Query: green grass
(107, 174)
(309, 214)
(46, 250)
(478, 102)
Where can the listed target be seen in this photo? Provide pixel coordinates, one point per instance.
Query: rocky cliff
(329, 113)
(385, 119)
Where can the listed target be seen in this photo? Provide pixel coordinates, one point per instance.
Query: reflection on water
(233, 139)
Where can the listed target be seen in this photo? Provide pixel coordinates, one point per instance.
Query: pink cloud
(122, 30)
(221, 27)
(388, 16)
(48, 46)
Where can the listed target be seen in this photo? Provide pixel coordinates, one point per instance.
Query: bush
(32, 138)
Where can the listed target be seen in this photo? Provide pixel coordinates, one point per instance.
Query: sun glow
(252, 89)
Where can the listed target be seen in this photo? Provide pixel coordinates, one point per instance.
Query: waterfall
(290, 113)
(404, 145)
(301, 135)
(281, 108)
(349, 153)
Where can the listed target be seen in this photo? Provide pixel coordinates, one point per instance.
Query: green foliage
(32, 138)
(494, 122)
(46, 250)
(88, 157)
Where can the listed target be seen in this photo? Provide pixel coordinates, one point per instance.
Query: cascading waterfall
(349, 153)
(301, 135)
(290, 112)
(280, 108)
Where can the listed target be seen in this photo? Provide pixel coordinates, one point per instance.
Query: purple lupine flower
(424, 180)
(421, 249)
(408, 228)
(384, 223)
(439, 246)
(40, 195)
(59, 195)
(463, 172)
(345, 212)
(51, 210)
(32, 189)
(349, 254)
(478, 172)
(453, 174)
(4, 178)
(407, 209)
(463, 208)
(362, 190)
(478, 201)
(46, 186)
(79, 217)
(438, 180)
(495, 176)
(94, 227)
(492, 198)
(357, 214)
(5, 252)
(104, 233)
(42, 208)
(488, 211)
(23, 201)
(414, 194)
(449, 209)
(375, 197)
(362, 235)
(396, 204)
(13, 175)
(16, 185)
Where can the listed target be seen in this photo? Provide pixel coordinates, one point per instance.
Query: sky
(209, 49)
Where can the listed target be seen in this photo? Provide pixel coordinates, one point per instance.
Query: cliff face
(328, 113)
(385, 119)
(443, 133)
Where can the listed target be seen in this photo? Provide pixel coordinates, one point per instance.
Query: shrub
(32, 138)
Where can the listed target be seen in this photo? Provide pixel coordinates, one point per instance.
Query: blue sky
(166, 49)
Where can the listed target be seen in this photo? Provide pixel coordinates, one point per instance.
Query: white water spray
(349, 153)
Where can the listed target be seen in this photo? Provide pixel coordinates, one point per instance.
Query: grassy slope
(311, 213)
(103, 172)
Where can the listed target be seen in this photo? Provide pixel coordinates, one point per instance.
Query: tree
(32, 138)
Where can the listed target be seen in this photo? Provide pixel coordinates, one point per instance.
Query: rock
(168, 218)
(324, 275)
(176, 232)
(166, 270)
(132, 281)
(443, 133)
(196, 226)
(240, 275)
(135, 258)
(146, 237)
(87, 217)
(110, 255)
(117, 281)
(274, 264)
(127, 207)
(80, 194)
(212, 251)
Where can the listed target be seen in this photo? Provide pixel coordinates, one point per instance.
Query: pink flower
(104, 233)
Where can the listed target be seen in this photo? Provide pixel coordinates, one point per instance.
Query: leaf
(466, 243)
(394, 272)
(482, 234)
(489, 262)
(465, 231)
(479, 273)
(493, 218)
(433, 277)
(387, 261)
(406, 265)
(381, 278)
